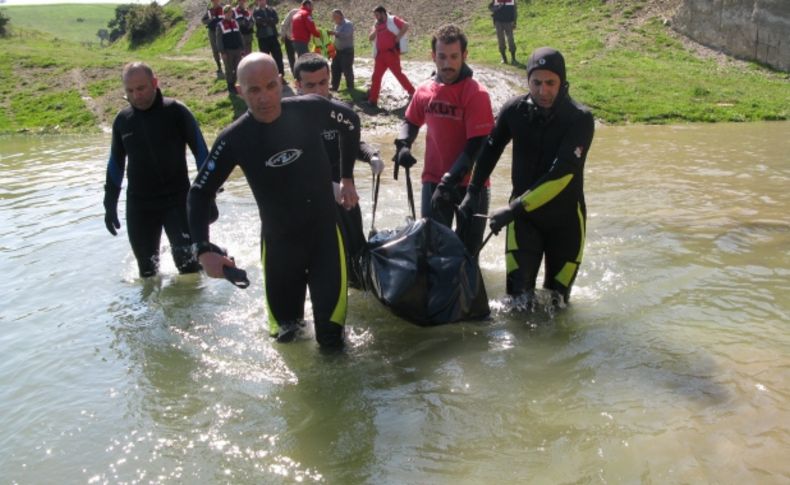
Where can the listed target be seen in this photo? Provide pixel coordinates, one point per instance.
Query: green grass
(637, 75)
(625, 73)
(71, 22)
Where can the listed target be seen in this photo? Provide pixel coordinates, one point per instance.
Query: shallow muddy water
(671, 365)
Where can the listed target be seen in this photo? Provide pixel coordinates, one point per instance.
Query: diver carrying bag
(422, 271)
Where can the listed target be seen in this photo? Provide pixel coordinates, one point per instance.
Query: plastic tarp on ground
(424, 274)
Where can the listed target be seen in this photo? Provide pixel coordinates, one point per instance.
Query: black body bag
(422, 271)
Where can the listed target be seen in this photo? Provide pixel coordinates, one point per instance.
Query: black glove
(111, 194)
(111, 220)
(504, 216)
(404, 158)
(446, 193)
(471, 203)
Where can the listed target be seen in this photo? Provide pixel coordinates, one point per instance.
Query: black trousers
(559, 243)
(270, 45)
(314, 260)
(289, 51)
(350, 222)
(144, 227)
(343, 63)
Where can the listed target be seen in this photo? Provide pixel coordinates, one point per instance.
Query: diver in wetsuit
(551, 136)
(153, 133)
(278, 145)
(312, 77)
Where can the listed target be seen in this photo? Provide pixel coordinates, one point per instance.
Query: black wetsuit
(154, 141)
(286, 166)
(350, 220)
(549, 150)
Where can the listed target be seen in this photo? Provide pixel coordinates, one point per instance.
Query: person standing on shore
(231, 45)
(286, 31)
(278, 145)
(457, 111)
(243, 17)
(343, 63)
(504, 14)
(303, 28)
(213, 16)
(266, 22)
(546, 219)
(386, 35)
(149, 140)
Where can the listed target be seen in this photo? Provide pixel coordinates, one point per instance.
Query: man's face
(140, 89)
(261, 3)
(380, 17)
(316, 82)
(215, 3)
(229, 15)
(261, 88)
(448, 59)
(544, 86)
(337, 18)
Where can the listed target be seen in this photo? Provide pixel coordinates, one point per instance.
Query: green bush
(145, 23)
(3, 22)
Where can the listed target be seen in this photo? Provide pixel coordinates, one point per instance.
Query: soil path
(80, 83)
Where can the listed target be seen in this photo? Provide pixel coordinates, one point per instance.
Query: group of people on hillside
(230, 32)
(298, 156)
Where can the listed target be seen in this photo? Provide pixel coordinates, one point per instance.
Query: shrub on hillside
(145, 23)
(3, 22)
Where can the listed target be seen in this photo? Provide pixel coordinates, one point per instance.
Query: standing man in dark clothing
(278, 145)
(551, 136)
(457, 111)
(266, 23)
(213, 16)
(231, 45)
(303, 28)
(504, 15)
(312, 77)
(153, 133)
(243, 16)
(344, 50)
(286, 32)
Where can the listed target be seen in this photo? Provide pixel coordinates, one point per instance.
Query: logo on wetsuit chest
(283, 158)
(329, 135)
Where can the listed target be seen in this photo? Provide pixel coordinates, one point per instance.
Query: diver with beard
(546, 218)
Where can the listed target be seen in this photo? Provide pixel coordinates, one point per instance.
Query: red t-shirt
(454, 113)
(386, 40)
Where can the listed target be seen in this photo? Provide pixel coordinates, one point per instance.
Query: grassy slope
(63, 20)
(626, 72)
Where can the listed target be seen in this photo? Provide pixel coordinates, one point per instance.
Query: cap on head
(548, 59)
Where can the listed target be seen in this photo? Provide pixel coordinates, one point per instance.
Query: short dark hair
(448, 34)
(136, 66)
(310, 62)
(305, 2)
(380, 9)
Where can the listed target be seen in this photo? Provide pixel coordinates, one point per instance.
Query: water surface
(671, 365)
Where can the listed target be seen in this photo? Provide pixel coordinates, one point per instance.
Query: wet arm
(492, 149)
(209, 179)
(115, 169)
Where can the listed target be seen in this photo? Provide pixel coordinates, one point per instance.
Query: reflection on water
(669, 366)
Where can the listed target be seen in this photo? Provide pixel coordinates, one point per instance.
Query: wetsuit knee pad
(329, 334)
